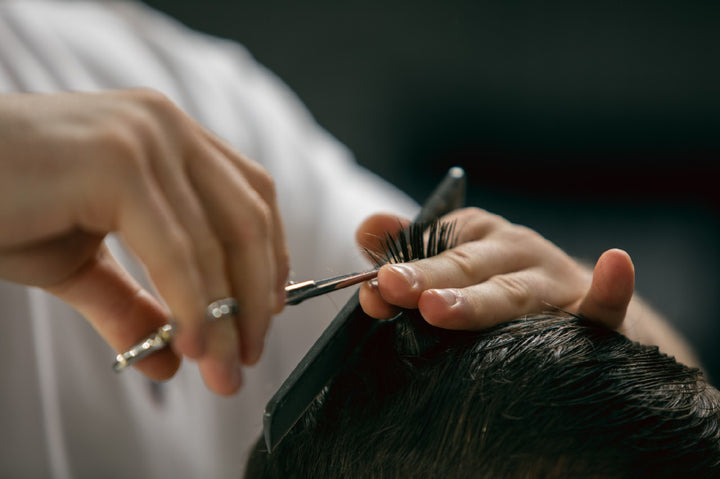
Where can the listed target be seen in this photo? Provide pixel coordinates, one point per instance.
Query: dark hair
(546, 396)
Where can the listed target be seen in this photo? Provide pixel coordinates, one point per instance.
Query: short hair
(552, 395)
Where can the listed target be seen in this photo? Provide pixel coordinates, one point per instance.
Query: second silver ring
(221, 309)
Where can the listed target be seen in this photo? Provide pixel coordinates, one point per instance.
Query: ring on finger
(221, 309)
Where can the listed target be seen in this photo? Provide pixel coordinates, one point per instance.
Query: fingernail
(448, 296)
(409, 274)
(373, 283)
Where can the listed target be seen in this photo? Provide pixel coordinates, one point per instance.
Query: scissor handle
(155, 342)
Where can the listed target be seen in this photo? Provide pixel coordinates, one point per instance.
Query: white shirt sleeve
(71, 415)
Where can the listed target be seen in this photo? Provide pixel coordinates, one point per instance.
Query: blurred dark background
(595, 123)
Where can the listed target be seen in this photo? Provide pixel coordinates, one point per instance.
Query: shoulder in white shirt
(63, 412)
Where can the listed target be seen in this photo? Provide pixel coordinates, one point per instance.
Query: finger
(134, 206)
(119, 309)
(150, 228)
(474, 223)
(372, 232)
(373, 304)
(264, 185)
(370, 236)
(612, 287)
(255, 309)
(220, 367)
(479, 256)
(111, 187)
(206, 247)
(219, 360)
(501, 298)
(243, 222)
(459, 267)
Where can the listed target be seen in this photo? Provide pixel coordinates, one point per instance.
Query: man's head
(547, 396)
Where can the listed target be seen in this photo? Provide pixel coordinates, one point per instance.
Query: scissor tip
(456, 172)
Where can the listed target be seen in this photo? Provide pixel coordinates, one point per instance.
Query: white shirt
(63, 412)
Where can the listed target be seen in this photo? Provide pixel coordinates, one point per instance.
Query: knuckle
(256, 225)
(480, 214)
(142, 136)
(479, 224)
(265, 186)
(523, 240)
(155, 111)
(264, 219)
(151, 98)
(475, 211)
(462, 260)
(524, 233)
(514, 289)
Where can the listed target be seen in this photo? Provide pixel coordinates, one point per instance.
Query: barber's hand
(498, 272)
(201, 218)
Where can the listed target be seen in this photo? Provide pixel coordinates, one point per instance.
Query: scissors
(295, 293)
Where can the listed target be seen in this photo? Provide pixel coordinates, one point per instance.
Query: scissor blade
(299, 292)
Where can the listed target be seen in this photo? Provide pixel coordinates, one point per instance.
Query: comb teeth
(417, 241)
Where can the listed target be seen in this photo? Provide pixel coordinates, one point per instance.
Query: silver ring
(221, 309)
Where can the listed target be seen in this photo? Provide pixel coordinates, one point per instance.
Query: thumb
(119, 309)
(613, 284)
(370, 236)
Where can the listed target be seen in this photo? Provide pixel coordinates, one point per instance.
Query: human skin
(500, 271)
(203, 219)
(199, 216)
